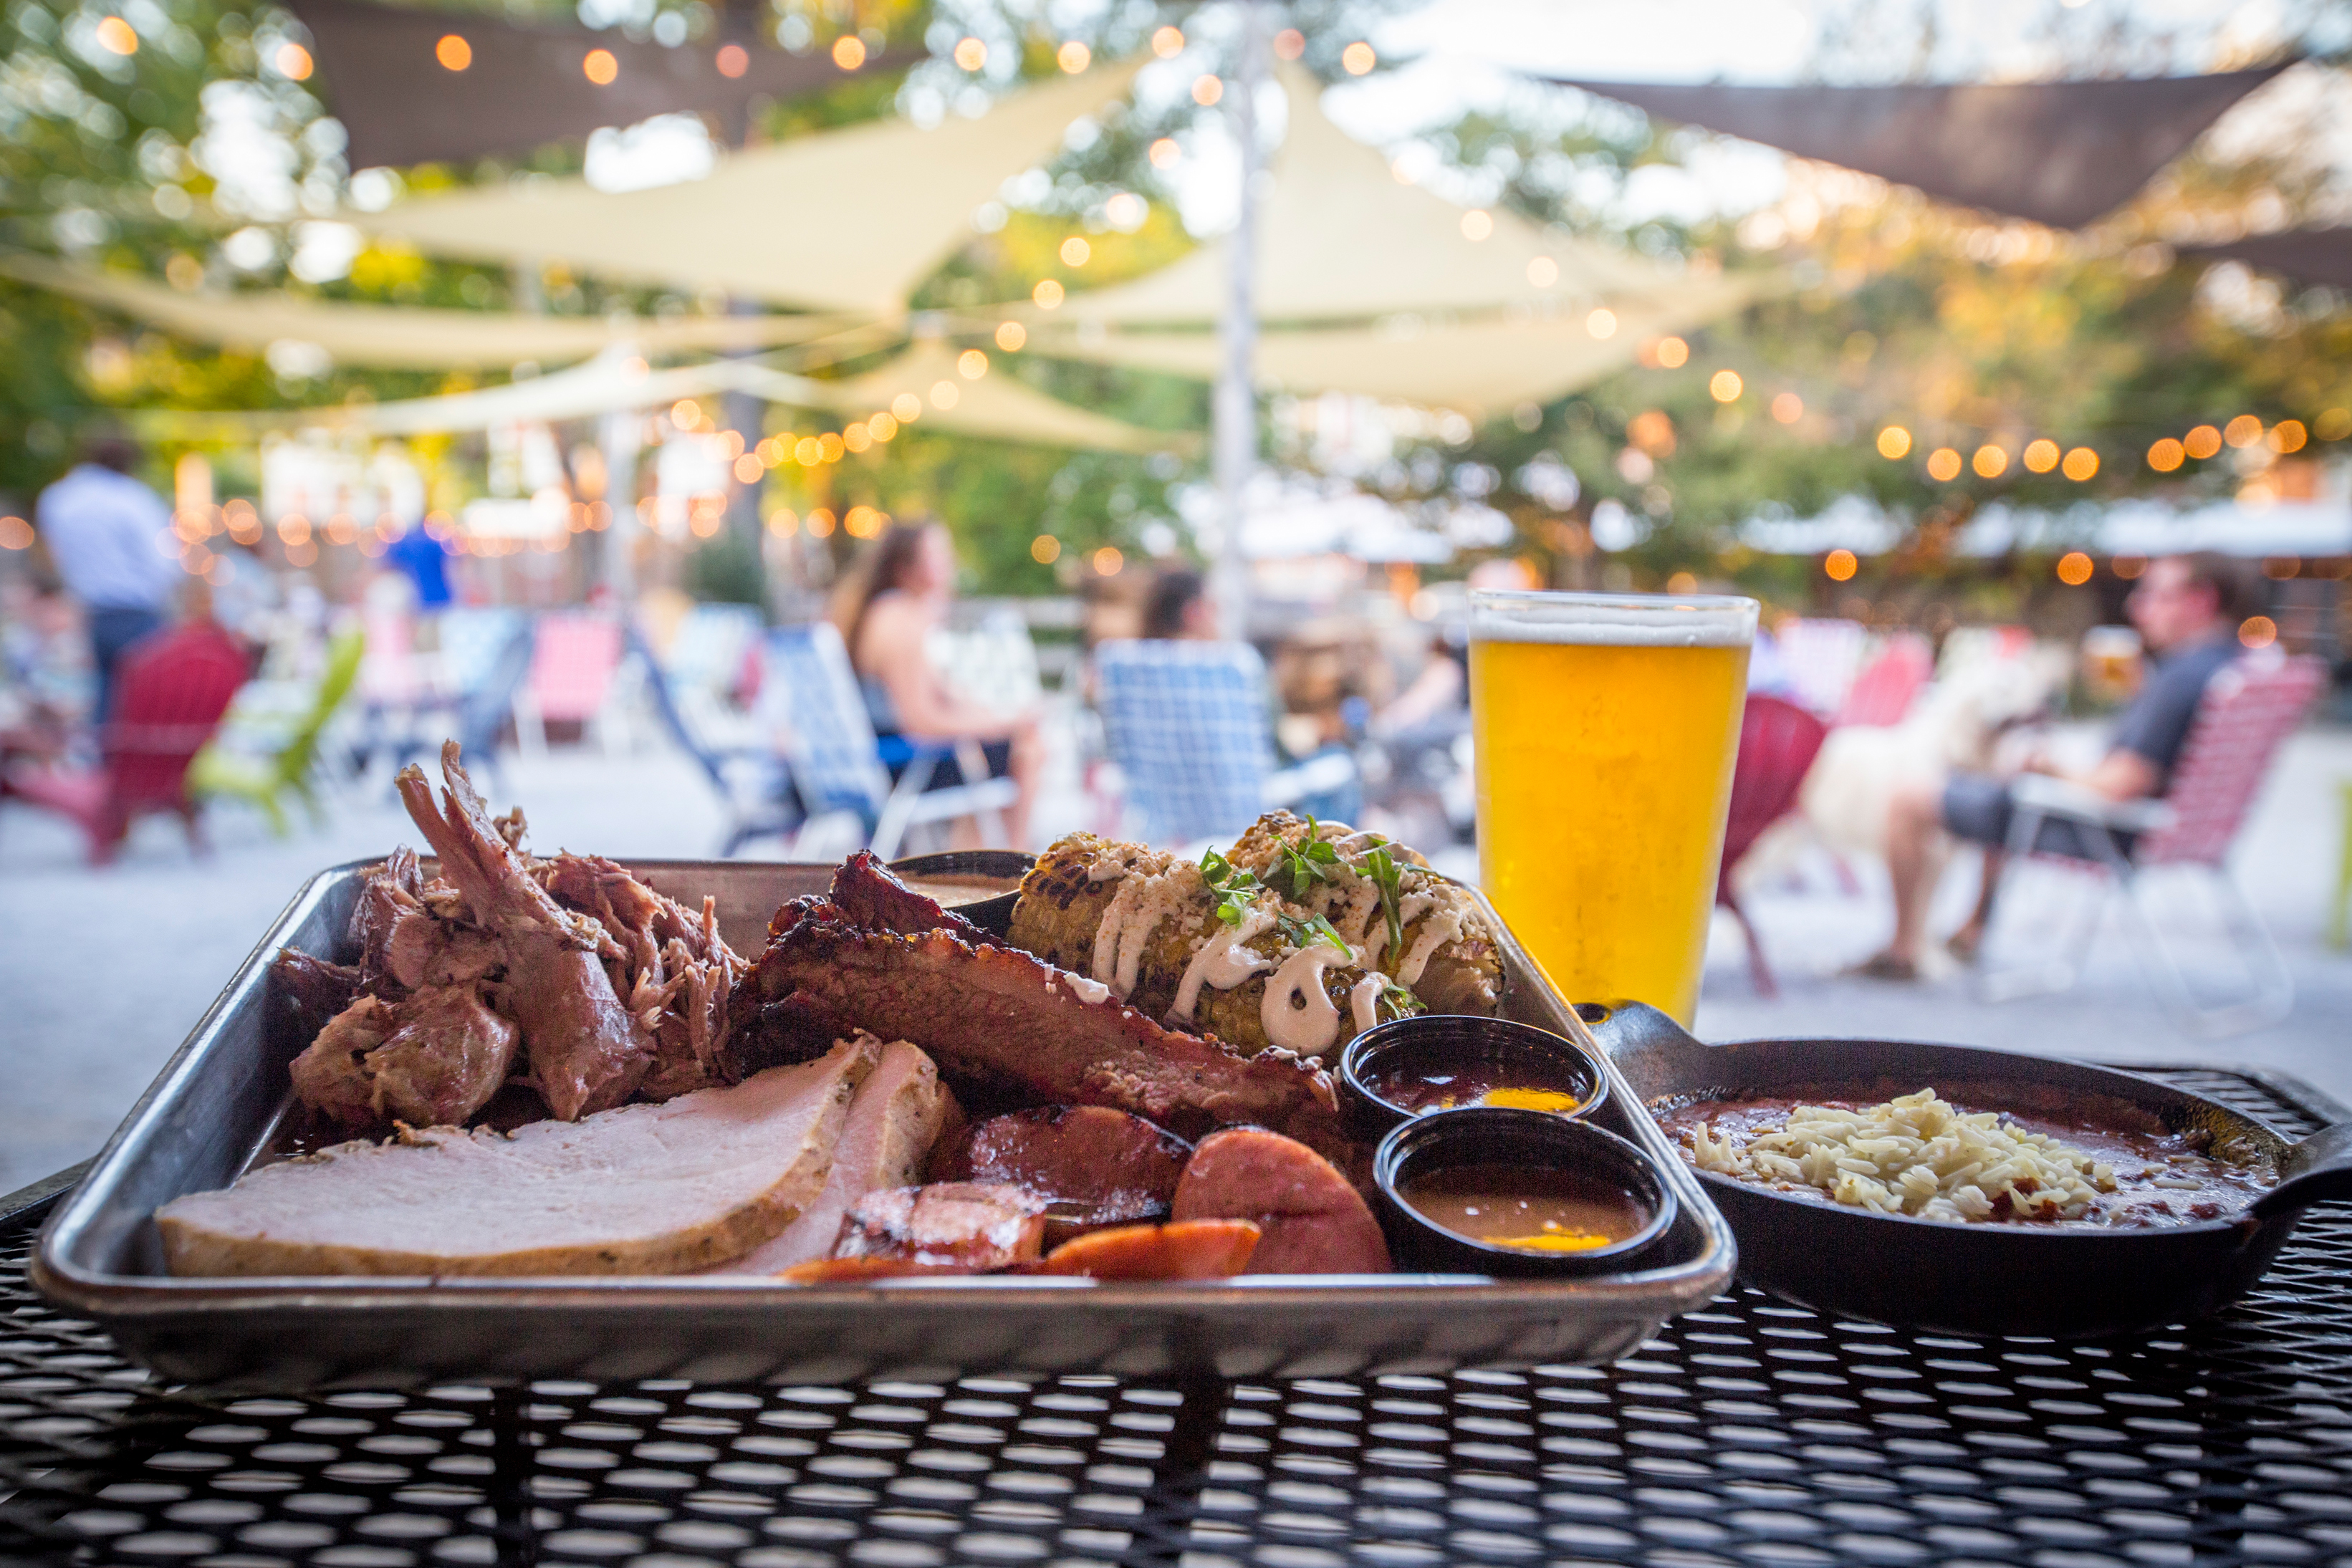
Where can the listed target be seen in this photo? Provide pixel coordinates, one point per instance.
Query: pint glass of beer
(1606, 727)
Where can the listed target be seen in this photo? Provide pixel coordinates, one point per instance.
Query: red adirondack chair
(169, 696)
(1778, 742)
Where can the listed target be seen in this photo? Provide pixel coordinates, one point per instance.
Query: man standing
(2186, 609)
(101, 528)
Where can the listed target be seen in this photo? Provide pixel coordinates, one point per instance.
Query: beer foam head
(1613, 620)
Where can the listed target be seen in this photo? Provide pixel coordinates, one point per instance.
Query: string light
(2201, 442)
(2258, 632)
(1602, 323)
(115, 37)
(2244, 431)
(1108, 561)
(1990, 460)
(1477, 223)
(1944, 465)
(970, 54)
(1168, 43)
(1074, 56)
(1673, 353)
(1044, 549)
(820, 523)
(808, 451)
(1725, 386)
(1047, 294)
(1165, 153)
(1011, 335)
(1543, 272)
(16, 533)
(293, 62)
(1289, 43)
(2074, 568)
(830, 447)
(1894, 441)
(600, 67)
(849, 51)
(783, 523)
(1076, 252)
(882, 426)
(856, 438)
(972, 364)
(453, 53)
(2332, 425)
(1788, 408)
(2040, 455)
(747, 469)
(907, 408)
(1358, 58)
(1207, 89)
(944, 395)
(2287, 435)
(2166, 455)
(2080, 464)
(734, 59)
(1839, 565)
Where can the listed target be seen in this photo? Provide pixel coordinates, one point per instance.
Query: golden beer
(1606, 728)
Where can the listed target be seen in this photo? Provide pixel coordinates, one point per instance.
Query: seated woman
(887, 608)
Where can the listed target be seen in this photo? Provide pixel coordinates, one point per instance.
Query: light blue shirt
(102, 529)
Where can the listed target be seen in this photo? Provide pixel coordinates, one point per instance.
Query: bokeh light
(1840, 565)
(1168, 43)
(1074, 56)
(1725, 386)
(1602, 323)
(849, 51)
(1044, 549)
(1990, 460)
(453, 53)
(1788, 408)
(1673, 353)
(600, 67)
(1048, 293)
(1011, 335)
(1944, 465)
(115, 37)
(1076, 252)
(293, 62)
(2258, 632)
(2041, 456)
(2080, 464)
(970, 54)
(1207, 89)
(2242, 431)
(2074, 568)
(2288, 435)
(1358, 58)
(1477, 223)
(1894, 441)
(1108, 561)
(973, 364)
(2201, 442)
(2166, 455)
(733, 61)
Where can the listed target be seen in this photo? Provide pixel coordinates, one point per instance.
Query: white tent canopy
(846, 220)
(402, 337)
(996, 404)
(1481, 365)
(1341, 239)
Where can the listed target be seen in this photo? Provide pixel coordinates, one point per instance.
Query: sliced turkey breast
(642, 1189)
(897, 1116)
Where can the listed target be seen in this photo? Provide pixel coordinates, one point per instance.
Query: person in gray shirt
(2186, 609)
(103, 529)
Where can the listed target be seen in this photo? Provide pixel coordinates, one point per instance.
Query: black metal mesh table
(1752, 1432)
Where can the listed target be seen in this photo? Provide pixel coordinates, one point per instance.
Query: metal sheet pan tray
(215, 1108)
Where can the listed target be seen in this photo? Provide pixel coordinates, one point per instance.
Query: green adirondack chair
(262, 781)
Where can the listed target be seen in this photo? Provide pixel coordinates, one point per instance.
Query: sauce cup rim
(1386, 1036)
(1393, 1153)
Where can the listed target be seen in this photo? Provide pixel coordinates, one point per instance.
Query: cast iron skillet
(1987, 1279)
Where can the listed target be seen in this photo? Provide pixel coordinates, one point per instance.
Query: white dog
(1953, 727)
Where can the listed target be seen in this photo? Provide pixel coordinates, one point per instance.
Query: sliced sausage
(1093, 1165)
(978, 1225)
(1314, 1221)
(1191, 1249)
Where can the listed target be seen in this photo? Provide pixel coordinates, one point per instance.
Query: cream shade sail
(994, 404)
(1480, 365)
(843, 220)
(400, 337)
(1340, 238)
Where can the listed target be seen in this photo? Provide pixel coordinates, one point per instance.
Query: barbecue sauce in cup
(1536, 1208)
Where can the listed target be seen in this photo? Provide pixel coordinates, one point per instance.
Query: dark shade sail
(2307, 255)
(2061, 153)
(523, 86)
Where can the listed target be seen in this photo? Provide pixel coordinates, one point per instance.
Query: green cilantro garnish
(1234, 888)
(1381, 867)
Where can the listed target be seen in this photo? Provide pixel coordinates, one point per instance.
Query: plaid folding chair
(2248, 711)
(811, 694)
(575, 669)
(1187, 724)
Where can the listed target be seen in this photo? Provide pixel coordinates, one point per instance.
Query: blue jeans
(113, 630)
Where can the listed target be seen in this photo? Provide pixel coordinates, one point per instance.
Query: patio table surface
(1750, 1432)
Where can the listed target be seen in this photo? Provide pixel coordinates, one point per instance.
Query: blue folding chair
(754, 785)
(1187, 723)
(807, 685)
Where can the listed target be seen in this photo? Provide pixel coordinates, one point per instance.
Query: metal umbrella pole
(1234, 411)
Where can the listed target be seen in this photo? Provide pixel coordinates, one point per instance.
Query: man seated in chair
(2186, 609)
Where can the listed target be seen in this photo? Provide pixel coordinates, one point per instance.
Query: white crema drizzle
(1135, 910)
(1364, 997)
(1222, 961)
(1298, 1015)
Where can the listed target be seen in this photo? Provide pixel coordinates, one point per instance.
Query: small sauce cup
(1553, 1195)
(1411, 1067)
